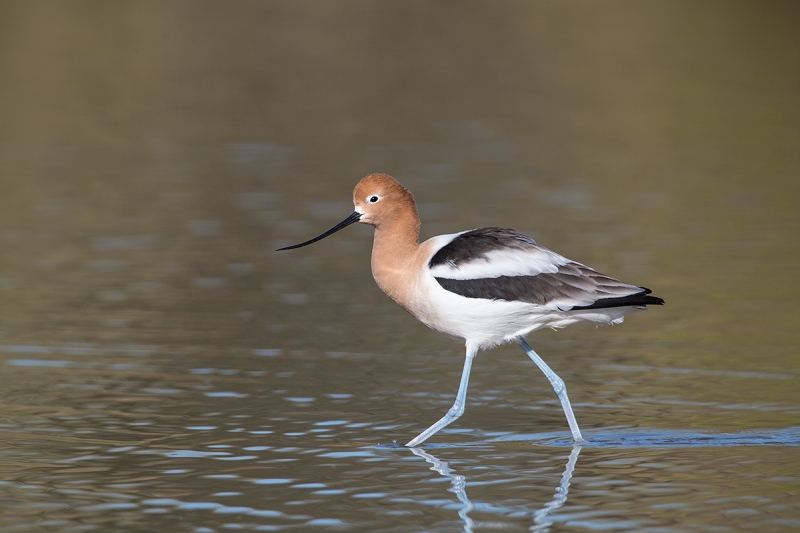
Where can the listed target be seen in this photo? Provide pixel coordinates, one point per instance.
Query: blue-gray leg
(458, 407)
(558, 386)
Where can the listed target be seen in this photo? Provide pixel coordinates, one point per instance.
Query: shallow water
(163, 369)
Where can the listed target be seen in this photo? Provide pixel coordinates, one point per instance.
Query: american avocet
(487, 286)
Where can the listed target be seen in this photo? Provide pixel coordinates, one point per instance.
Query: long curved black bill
(343, 224)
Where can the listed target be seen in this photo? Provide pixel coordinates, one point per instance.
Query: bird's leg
(558, 386)
(458, 407)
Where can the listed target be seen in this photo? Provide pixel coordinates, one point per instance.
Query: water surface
(163, 369)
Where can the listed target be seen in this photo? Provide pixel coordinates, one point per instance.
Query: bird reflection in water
(541, 521)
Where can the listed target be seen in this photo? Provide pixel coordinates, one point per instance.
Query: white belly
(487, 323)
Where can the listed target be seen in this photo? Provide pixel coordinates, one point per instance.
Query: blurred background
(154, 154)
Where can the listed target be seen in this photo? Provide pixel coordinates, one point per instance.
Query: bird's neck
(394, 254)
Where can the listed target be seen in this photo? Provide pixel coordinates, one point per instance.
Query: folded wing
(503, 264)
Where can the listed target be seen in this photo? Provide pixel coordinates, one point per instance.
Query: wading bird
(487, 286)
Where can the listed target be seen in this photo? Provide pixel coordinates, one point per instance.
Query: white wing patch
(504, 262)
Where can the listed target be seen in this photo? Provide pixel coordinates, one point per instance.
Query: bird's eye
(373, 199)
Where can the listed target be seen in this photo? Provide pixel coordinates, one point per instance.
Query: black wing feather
(476, 243)
(572, 282)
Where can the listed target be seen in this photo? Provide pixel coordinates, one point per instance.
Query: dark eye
(372, 199)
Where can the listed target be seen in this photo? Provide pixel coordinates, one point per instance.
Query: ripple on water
(649, 438)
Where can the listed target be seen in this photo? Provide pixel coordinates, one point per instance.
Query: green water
(162, 369)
